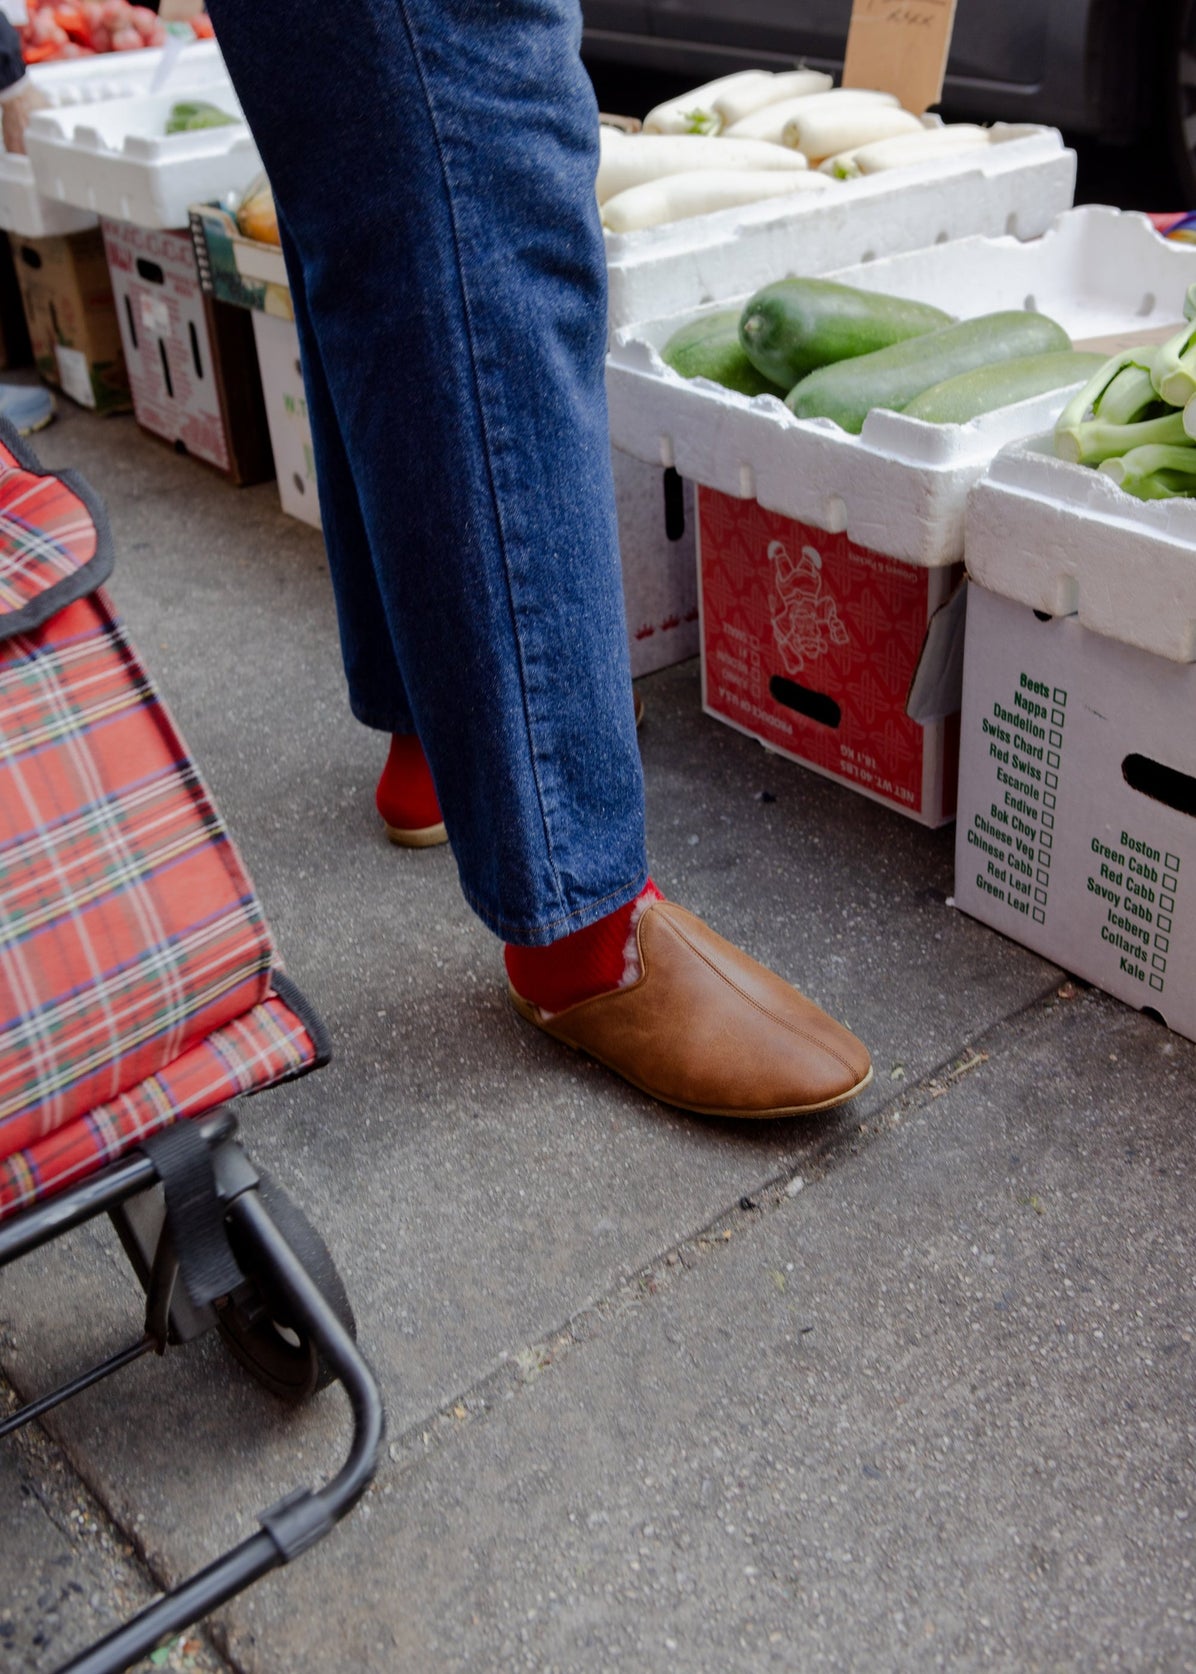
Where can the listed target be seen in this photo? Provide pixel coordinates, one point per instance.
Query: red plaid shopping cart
(139, 993)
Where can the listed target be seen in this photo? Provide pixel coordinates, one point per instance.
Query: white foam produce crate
(1016, 185)
(900, 486)
(116, 159)
(75, 82)
(119, 75)
(1065, 540)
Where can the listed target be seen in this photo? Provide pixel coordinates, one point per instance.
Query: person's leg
(406, 794)
(377, 696)
(433, 163)
(435, 169)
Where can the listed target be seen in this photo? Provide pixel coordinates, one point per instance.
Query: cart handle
(302, 1517)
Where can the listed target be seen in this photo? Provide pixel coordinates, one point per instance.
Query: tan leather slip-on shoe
(423, 837)
(708, 1029)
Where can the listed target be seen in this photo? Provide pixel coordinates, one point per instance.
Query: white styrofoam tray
(1067, 541)
(72, 82)
(1016, 185)
(116, 159)
(118, 75)
(901, 486)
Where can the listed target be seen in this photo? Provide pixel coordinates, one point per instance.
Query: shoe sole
(532, 1015)
(424, 837)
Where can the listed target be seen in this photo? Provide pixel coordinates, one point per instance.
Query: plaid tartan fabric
(128, 927)
(269, 1044)
(53, 546)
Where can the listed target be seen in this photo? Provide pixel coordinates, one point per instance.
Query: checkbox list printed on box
(1015, 837)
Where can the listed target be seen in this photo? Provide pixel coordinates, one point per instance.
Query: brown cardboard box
(192, 361)
(71, 315)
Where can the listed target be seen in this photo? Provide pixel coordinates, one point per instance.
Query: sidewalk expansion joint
(110, 1556)
(516, 1371)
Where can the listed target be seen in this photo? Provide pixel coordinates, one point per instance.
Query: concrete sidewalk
(906, 1387)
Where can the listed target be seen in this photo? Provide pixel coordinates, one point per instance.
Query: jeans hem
(373, 720)
(542, 934)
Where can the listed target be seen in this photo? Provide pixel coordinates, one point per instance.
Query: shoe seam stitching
(755, 1004)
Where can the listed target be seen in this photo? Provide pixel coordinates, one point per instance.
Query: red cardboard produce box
(836, 656)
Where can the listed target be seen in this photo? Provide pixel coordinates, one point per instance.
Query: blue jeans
(433, 168)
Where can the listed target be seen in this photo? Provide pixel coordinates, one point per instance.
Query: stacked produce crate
(787, 218)
(250, 273)
(138, 162)
(57, 248)
(1077, 815)
(829, 559)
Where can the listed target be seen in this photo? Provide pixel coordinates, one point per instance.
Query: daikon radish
(824, 133)
(737, 103)
(631, 159)
(694, 112)
(841, 166)
(677, 197)
(769, 123)
(907, 149)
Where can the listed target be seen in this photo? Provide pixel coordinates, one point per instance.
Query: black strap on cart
(194, 1213)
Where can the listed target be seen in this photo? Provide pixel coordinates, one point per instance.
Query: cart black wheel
(256, 1322)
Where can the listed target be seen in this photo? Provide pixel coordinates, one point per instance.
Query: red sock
(406, 796)
(589, 962)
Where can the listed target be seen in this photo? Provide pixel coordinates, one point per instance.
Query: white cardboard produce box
(286, 413)
(116, 159)
(1077, 801)
(657, 528)
(192, 70)
(807, 534)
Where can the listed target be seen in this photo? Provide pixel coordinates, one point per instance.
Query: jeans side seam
(451, 211)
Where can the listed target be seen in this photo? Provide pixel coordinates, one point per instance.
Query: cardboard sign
(900, 46)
